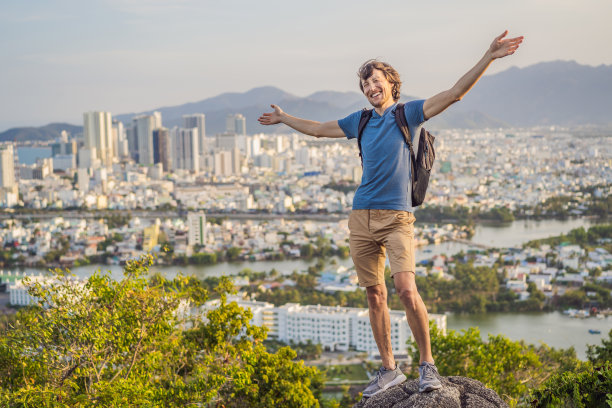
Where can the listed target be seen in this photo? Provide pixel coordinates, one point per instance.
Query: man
(382, 218)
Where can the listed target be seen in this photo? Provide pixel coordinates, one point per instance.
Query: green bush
(590, 388)
(126, 343)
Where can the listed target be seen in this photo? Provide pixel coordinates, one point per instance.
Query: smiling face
(380, 83)
(378, 89)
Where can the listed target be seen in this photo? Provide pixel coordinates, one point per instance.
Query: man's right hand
(308, 127)
(271, 118)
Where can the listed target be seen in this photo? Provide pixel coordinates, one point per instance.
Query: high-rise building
(240, 124)
(223, 163)
(63, 146)
(97, 133)
(197, 120)
(132, 141)
(83, 179)
(7, 165)
(186, 149)
(64, 162)
(227, 141)
(196, 224)
(120, 142)
(157, 120)
(236, 161)
(162, 148)
(88, 158)
(253, 146)
(143, 127)
(235, 123)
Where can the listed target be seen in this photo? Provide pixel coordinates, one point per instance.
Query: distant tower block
(162, 148)
(142, 128)
(185, 147)
(7, 166)
(196, 222)
(197, 120)
(98, 134)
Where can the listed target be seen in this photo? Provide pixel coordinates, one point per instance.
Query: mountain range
(550, 93)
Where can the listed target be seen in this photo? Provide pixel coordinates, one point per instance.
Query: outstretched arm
(309, 127)
(499, 48)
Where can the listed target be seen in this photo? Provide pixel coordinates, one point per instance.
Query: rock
(456, 392)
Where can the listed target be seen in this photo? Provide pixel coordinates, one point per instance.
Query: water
(518, 232)
(507, 235)
(555, 329)
(29, 155)
(224, 268)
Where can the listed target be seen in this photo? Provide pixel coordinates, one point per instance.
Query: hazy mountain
(339, 99)
(548, 93)
(558, 92)
(233, 102)
(48, 132)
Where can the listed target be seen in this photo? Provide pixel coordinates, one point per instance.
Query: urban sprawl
(116, 192)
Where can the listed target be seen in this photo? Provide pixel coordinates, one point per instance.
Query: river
(554, 329)
(502, 236)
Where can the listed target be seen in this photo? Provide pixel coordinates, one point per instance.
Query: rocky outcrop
(457, 392)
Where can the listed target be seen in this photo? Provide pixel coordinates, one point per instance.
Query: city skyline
(128, 56)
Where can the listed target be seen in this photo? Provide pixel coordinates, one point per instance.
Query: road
(79, 214)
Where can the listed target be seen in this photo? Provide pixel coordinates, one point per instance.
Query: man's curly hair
(368, 67)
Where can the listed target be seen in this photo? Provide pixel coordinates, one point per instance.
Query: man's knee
(409, 297)
(377, 296)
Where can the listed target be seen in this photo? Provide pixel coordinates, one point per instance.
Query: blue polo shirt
(386, 183)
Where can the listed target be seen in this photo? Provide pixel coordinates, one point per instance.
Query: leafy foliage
(133, 343)
(589, 388)
(603, 353)
(509, 367)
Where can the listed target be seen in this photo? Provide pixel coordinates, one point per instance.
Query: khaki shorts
(372, 233)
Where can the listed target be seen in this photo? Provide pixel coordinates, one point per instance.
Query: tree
(587, 388)
(233, 253)
(130, 343)
(501, 364)
(600, 354)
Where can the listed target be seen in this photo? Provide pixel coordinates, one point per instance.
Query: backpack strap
(402, 123)
(366, 114)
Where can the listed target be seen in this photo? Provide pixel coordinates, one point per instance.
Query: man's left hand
(501, 47)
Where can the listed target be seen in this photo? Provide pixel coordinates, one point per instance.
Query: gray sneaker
(428, 377)
(384, 379)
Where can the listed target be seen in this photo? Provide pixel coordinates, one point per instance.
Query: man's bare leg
(381, 326)
(418, 319)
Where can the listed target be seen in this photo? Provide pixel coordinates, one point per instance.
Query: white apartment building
(18, 291)
(223, 162)
(7, 166)
(64, 162)
(335, 328)
(8, 186)
(196, 226)
(98, 134)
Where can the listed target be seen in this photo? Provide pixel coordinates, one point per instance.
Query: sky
(60, 58)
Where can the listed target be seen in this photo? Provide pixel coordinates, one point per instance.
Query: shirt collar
(389, 109)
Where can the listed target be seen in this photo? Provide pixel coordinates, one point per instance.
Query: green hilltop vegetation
(129, 343)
